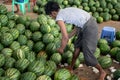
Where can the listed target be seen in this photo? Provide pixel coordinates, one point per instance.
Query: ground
(85, 72)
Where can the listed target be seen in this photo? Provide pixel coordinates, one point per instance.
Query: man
(86, 29)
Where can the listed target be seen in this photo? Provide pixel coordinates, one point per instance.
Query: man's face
(53, 14)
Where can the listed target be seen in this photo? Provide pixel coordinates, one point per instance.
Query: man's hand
(60, 50)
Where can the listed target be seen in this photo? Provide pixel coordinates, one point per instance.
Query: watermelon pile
(28, 46)
(101, 10)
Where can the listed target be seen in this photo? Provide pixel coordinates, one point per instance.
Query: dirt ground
(85, 72)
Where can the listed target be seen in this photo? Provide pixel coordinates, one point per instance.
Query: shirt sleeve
(59, 18)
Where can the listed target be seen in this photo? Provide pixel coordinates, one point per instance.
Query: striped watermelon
(44, 77)
(19, 54)
(38, 46)
(15, 33)
(28, 76)
(3, 9)
(48, 38)
(11, 24)
(56, 57)
(20, 28)
(37, 67)
(50, 68)
(21, 64)
(28, 33)
(34, 26)
(9, 62)
(3, 20)
(45, 28)
(30, 44)
(36, 36)
(15, 45)
(22, 39)
(62, 74)
(2, 60)
(6, 39)
(50, 48)
(1, 72)
(12, 73)
(31, 56)
(7, 51)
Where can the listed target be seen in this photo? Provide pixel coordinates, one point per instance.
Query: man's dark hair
(51, 6)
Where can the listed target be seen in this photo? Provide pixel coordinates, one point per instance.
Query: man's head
(52, 8)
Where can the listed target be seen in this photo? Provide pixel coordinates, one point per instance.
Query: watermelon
(56, 57)
(36, 36)
(3, 9)
(50, 68)
(28, 34)
(15, 45)
(30, 56)
(34, 26)
(20, 28)
(15, 33)
(105, 61)
(1, 72)
(104, 49)
(116, 74)
(43, 77)
(11, 24)
(48, 38)
(2, 60)
(28, 76)
(62, 74)
(21, 64)
(118, 56)
(42, 54)
(7, 51)
(30, 44)
(38, 46)
(9, 62)
(114, 51)
(22, 20)
(3, 20)
(22, 39)
(50, 48)
(45, 28)
(37, 67)
(12, 73)
(118, 35)
(6, 39)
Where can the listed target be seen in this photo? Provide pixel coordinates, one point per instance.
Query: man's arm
(65, 37)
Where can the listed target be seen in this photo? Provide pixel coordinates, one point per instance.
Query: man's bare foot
(102, 75)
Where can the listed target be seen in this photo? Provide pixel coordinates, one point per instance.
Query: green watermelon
(6, 39)
(2, 60)
(62, 74)
(15, 45)
(9, 62)
(43, 77)
(34, 26)
(37, 67)
(28, 76)
(38, 46)
(7, 51)
(36, 36)
(116, 74)
(21, 64)
(56, 57)
(12, 73)
(15, 33)
(105, 61)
